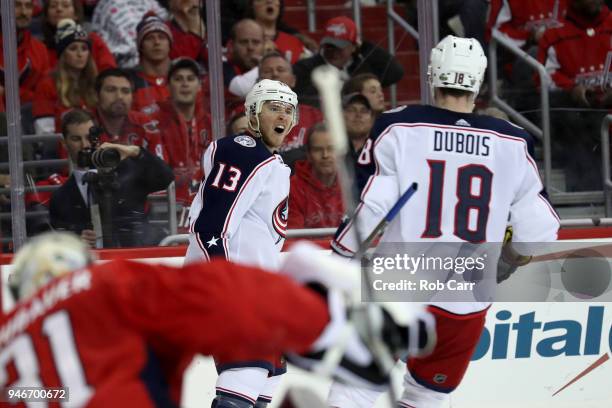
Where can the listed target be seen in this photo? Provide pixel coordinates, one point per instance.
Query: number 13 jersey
(240, 211)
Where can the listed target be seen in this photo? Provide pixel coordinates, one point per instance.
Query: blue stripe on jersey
(155, 382)
(221, 191)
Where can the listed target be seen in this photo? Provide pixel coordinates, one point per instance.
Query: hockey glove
(510, 260)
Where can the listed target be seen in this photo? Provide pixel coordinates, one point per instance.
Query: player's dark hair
(317, 127)
(75, 117)
(113, 72)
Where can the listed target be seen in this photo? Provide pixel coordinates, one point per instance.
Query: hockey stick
(379, 229)
(327, 80)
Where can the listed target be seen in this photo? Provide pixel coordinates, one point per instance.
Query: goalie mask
(44, 258)
(457, 63)
(269, 90)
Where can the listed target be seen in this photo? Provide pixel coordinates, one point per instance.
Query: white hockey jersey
(240, 211)
(474, 174)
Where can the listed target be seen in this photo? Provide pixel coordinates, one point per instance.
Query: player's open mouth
(279, 129)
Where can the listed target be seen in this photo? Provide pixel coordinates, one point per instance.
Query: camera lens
(106, 158)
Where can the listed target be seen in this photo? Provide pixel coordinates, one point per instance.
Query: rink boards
(530, 355)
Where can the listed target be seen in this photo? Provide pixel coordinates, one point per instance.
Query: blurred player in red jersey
(122, 333)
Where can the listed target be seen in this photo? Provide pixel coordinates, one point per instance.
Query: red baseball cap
(340, 32)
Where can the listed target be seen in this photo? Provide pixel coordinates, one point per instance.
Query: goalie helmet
(457, 63)
(269, 90)
(45, 257)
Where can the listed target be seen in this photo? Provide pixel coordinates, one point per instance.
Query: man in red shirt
(154, 40)
(275, 66)
(119, 122)
(315, 198)
(188, 31)
(184, 127)
(240, 72)
(123, 333)
(32, 57)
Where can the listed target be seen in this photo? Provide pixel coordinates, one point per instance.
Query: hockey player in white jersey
(240, 214)
(477, 173)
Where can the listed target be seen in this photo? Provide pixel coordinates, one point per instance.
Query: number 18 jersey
(474, 173)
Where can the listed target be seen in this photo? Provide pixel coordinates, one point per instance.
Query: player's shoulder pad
(243, 151)
(401, 114)
(506, 128)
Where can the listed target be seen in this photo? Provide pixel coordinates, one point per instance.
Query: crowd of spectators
(139, 68)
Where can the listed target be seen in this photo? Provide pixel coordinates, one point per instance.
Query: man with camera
(113, 178)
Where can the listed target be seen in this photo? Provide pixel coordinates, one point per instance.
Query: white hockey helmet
(457, 63)
(45, 257)
(269, 90)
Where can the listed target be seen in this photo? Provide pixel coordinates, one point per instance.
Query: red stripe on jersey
(236, 393)
(201, 245)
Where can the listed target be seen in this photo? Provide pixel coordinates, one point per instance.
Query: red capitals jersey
(32, 63)
(517, 18)
(312, 204)
(575, 53)
(138, 129)
(149, 91)
(122, 333)
(185, 142)
(289, 46)
(102, 56)
(187, 44)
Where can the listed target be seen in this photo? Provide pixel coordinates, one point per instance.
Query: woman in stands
(56, 10)
(288, 41)
(71, 84)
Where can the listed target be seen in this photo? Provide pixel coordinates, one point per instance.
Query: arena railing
(605, 163)
(394, 18)
(543, 133)
(181, 239)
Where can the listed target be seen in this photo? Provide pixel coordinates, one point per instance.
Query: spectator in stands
(359, 119)
(121, 124)
(574, 55)
(138, 174)
(523, 23)
(315, 197)
(185, 127)
(56, 10)
(71, 85)
(154, 40)
(342, 48)
(240, 72)
(238, 124)
(275, 66)
(369, 86)
(32, 58)
(268, 14)
(188, 30)
(116, 21)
